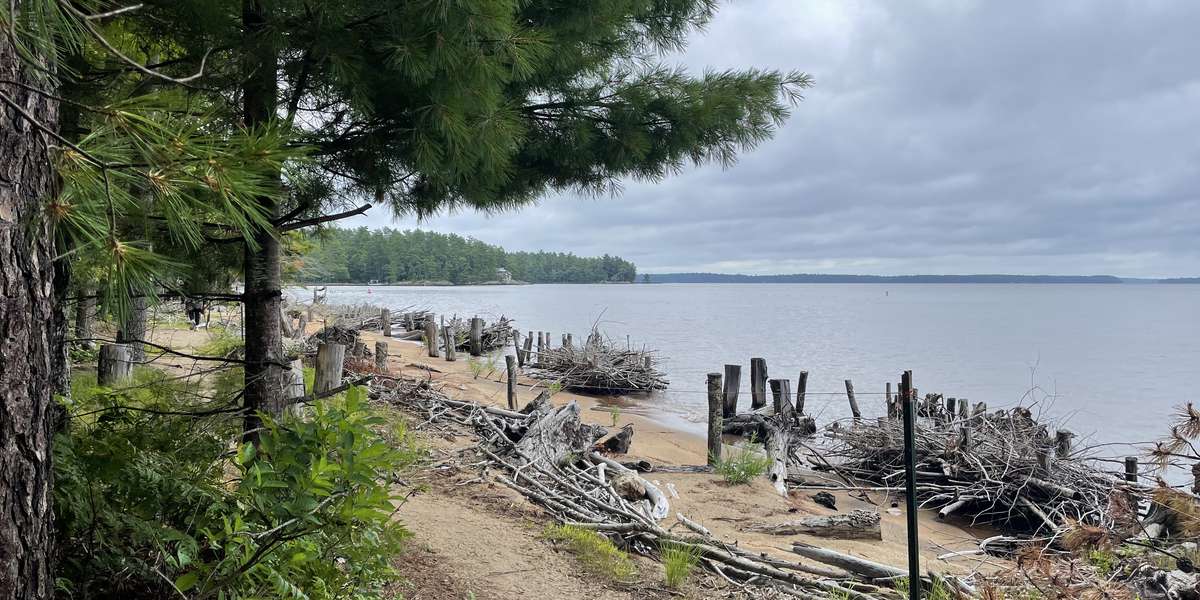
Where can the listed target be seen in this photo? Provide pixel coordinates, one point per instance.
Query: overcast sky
(942, 136)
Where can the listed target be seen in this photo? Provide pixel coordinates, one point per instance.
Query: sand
(477, 539)
(704, 497)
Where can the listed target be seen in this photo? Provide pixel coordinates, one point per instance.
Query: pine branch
(324, 219)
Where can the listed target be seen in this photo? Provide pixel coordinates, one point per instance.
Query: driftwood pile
(494, 336)
(599, 366)
(337, 334)
(547, 455)
(1001, 468)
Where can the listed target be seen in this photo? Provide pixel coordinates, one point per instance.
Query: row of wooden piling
(723, 391)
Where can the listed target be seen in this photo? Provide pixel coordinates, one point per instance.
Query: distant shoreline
(450, 284)
(907, 279)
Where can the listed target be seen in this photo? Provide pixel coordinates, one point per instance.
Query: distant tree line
(389, 255)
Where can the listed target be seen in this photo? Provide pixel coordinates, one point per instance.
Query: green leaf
(188, 580)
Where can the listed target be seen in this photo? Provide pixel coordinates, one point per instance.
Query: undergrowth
(157, 496)
(679, 560)
(742, 465)
(595, 552)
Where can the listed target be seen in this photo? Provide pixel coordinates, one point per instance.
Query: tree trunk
(265, 380)
(133, 329)
(85, 307)
(26, 337)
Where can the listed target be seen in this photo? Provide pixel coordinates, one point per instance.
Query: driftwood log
(855, 525)
(851, 564)
(618, 443)
(557, 436)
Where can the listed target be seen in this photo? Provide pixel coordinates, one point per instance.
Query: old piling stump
(476, 336)
(330, 362)
(510, 363)
(758, 383)
(381, 356)
(854, 411)
(733, 380)
(716, 406)
(431, 337)
(115, 364)
(450, 341)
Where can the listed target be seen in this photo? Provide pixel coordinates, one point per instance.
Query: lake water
(1111, 360)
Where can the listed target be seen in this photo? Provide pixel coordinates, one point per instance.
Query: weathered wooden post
(801, 392)
(647, 362)
(789, 410)
(853, 403)
(385, 322)
(528, 347)
(733, 379)
(887, 399)
(115, 364)
(758, 383)
(1042, 455)
(451, 335)
(516, 337)
(302, 326)
(330, 361)
(431, 336)
(295, 389)
(381, 356)
(781, 391)
(964, 408)
(541, 347)
(1131, 469)
(510, 362)
(570, 343)
(1062, 443)
(715, 422)
(951, 408)
(476, 336)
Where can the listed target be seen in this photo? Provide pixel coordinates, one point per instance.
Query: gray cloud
(942, 136)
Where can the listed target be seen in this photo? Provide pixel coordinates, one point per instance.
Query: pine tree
(26, 276)
(479, 104)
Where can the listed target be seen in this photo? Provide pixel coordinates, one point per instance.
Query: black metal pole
(910, 485)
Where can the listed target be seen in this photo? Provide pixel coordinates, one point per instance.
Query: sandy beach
(460, 519)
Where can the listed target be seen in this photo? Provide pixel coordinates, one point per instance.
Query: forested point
(415, 256)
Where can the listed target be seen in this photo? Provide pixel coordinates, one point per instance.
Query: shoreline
(705, 497)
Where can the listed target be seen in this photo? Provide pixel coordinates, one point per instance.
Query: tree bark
(133, 328)
(85, 307)
(265, 379)
(26, 337)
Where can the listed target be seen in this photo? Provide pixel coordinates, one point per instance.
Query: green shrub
(476, 367)
(678, 562)
(596, 552)
(742, 465)
(162, 505)
(223, 343)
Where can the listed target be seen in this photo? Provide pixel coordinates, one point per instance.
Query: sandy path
(486, 541)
